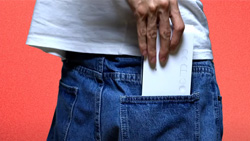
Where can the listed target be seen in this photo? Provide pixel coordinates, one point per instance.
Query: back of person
(103, 27)
(100, 88)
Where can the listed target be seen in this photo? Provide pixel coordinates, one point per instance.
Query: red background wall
(29, 78)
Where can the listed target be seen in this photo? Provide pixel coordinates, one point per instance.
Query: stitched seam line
(71, 116)
(136, 78)
(87, 72)
(124, 122)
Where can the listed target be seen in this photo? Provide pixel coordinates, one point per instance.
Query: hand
(151, 12)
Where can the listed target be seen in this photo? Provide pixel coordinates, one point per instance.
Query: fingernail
(172, 50)
(163, 59)
(153, 60)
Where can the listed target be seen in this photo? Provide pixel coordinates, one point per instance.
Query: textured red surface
(29, 78)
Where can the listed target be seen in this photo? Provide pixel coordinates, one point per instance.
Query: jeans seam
(197, 118)
(218, 106)
(71, 116)
(100, 64)
(220, 131)
(125, 77)
(124, 122)
(217, 121)
(97, 114)
(151, 99)
(87, 72)
(98, 98)
(215, 96)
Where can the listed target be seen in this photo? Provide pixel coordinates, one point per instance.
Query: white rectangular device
(175, 77)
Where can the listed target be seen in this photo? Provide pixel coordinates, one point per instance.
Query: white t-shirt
(103, 27)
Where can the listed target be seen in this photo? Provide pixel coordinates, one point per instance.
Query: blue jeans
(100, 99)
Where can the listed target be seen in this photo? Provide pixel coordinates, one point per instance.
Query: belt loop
(101, 64)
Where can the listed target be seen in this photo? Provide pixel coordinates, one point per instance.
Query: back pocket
(64, 112)
(160, 117)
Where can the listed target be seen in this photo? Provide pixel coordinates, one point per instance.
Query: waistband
(122, 63)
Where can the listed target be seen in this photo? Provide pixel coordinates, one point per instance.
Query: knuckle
(152, 8)
(152, 21)
(140, 11)
(152, 34)
(139, 14)
(175, 2)
(165, 34)
(142, 32)
(164, 3)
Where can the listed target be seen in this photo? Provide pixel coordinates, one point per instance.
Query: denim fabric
(100, 99)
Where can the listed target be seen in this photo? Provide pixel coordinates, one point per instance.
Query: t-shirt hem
(58, 48)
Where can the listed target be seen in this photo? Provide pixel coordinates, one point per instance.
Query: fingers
(178, 25)
(148, 13)
(165, 31)
(142, 36)
(142, 28)
(152, 33)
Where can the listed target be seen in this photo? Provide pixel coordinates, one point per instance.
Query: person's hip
(109, 86)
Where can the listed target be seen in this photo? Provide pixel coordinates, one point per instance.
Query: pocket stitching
(145, 99)
(71, 90)
(124, 113)
(124, 122)
(68, 88)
